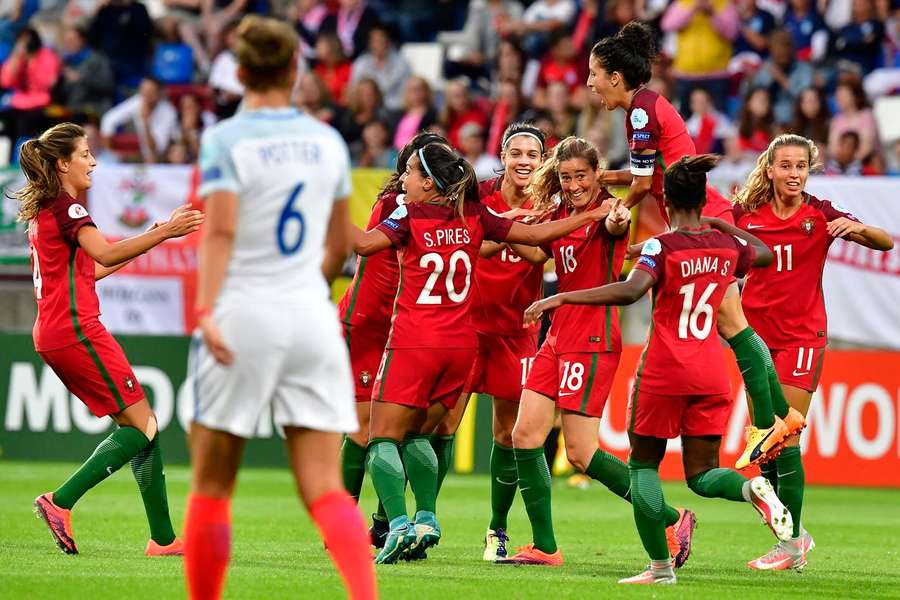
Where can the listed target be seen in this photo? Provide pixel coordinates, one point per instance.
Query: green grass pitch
(276, 552)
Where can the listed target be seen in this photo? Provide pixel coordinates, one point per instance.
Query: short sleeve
(496, 228)
(833, 210)
(746, 256)
(70, 216)
(643, 123)
(217, 172)
(651, 259)
(396, 226)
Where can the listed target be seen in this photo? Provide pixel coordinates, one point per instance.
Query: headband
(437, 181)
(528, 133)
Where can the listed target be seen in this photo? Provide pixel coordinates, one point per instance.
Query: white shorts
(290, 358)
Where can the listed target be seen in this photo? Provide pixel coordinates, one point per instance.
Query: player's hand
(842, 227)
(634, 250)
(212, 337)
(534, 312)
(601, 212)
(618, 214)
(183, 221)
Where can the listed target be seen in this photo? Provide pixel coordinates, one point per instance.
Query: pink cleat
(782, 556)
(176, 548)
(58, 521)
(653, 575)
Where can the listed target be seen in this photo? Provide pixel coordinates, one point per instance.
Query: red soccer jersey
(692, 271)
(784, 302)
(587, 257)
(68, 307)
(369, 300)
(438, 252)
(652, 123)
(504, 284)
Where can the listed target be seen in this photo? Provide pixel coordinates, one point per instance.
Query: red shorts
(420, 377)
(799, 367)
(97, 372)
(659, 416)
(366, 346)
(578, 381)
(502, 365)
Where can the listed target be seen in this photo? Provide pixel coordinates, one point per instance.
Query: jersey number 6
(434, 260)
(289, 214)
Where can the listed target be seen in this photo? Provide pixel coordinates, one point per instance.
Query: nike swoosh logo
(797, 373)
(749, 226)
(786, 474)
(501, 482)
(563, 394)
(756, 451)
(109, 470)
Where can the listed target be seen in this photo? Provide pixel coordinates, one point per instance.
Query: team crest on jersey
(807, 225)
(365, 379)
(639, 118)
(652, 247)
(129, 384)
(77, 211)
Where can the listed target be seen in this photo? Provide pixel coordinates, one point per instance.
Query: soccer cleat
(378, 532)
(680, 535)
(782, 556)
(795, 422)
(758, 492)
(807, 542)
(495, 544)
(652, 576)
(424, 534)
(176, 548)
(58, 521)
(759, 442)
(397, 541)
(529, 555)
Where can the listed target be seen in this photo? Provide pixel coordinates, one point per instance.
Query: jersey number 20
(290, 244)
(435, 261)
(690, 313)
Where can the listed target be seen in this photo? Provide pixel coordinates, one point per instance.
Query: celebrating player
(68, 254)
(438, 233)
(785, 304)
(276, 184)
(619, 68)
(574, 368)
(681, 385)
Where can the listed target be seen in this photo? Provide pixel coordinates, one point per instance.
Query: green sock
(147, 467)
(648, 503)
(443, 449)
(422, 470)
(504, 480)
(779, 402)
(386, 470)
(353, 466)
(614, 474)
(791, 482)
(109, 456)
(769, 470)
(534, 483)
(380, 512)
(752, 354)
(719, 483)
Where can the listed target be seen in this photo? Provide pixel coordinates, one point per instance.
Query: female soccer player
(620, 66)
(438, 233)
(276, 184)
(681, 385)
(68, 254)
(784, 301)
(574, 368)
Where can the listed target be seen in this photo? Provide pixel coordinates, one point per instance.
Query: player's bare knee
(579, 456)
(522, 438)
(504, 438)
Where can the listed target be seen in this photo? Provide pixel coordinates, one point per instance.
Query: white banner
(142, 304)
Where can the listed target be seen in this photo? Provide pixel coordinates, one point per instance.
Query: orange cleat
(58, 521)
(176, 548)
(794, 422)
(529, 555)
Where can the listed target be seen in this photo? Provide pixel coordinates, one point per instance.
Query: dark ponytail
(685, 180)
(420, 140)
(629, 52)
(452, 174)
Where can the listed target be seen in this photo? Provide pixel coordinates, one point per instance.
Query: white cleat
(758, 492)
(495, 545)
(652, 576)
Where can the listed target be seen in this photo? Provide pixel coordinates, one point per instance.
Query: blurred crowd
(147, 77)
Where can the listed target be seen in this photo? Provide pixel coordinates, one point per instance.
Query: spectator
(471, 138)
(783, 75)
(893, 159)
(509, 105)
(385, 65)
(314, 99)
(458, 110)
(615, 15)
(352, 23)
(756, 125)
(874, 164)
(854, 114)
(87, 85)
(122, 30)
(14, 17)
(756, 25)
(366, 104)
(560, 109)
(595, 122)
(861, 40)
(481, 32)
(843, 159)
(217, 14)
(308, 17)
(704, 30)
(178, 152)
(511, 66)
(708, 127)
(29, 74)
(186, 16)
(374, 150)
(149, 115)
(223, 80)
(419, 111)
(560, 65)
(540, 19)
(332, 66)
(808, 28)
(193, 119)
(811, 116)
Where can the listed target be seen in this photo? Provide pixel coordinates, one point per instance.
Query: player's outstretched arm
(616, 177)
(100, 271)
(764, 256)
(536, 235)
(613, 294)
(182, 222)
(367, 243)
(530, 254)
(337, 240)
(864, 235)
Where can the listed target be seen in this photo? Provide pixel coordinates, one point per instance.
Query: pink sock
(344, 530)
(207, 544)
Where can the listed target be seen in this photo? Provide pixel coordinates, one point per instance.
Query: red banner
(853, 432)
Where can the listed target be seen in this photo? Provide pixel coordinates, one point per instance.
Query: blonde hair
(545, 184)
(37, 159)
(759, 189)
(265, 49)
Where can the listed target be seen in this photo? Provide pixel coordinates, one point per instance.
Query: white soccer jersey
(287, 170)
